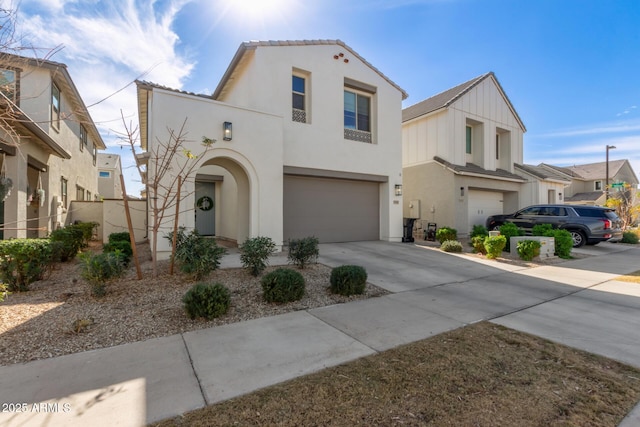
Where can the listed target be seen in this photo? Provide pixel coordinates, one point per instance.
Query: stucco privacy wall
(320, 143)
(255, 151)
(110, 216)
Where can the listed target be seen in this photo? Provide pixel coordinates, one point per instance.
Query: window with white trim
(597, 186)
(55, 106)
(299, 98)
(9, 79)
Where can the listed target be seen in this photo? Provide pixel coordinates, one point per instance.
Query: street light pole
(606, 187)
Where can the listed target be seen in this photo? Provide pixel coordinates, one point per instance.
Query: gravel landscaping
(59, 315)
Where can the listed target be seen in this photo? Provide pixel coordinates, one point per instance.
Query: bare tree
(167, 161)
(626, 204)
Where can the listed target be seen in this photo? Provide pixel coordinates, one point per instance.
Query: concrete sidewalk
(134, 384)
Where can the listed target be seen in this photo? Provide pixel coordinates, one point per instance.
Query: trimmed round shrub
(451, 246)
(446, 233)
(119, 245)
(629, 237)
(206, 300)
(528, 249)
(255, 253)
(120, 237)
(563, 243)
(71, 240)
(509, 230)
(348, 280)
(282, 285)
(479, 231)
(478, 244)
(494, 246)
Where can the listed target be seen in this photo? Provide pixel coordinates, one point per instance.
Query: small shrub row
(629, 237)
(451, 246)
(562, 238)
(509, 230)
(23, 261)
(528, 249)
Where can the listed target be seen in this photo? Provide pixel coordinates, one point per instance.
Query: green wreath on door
(205, 203)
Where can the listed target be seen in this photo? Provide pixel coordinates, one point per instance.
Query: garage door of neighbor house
(333, 210)
(483, 204)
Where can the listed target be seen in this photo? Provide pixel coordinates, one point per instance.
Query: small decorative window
(55, 106)
(299, 101)
(83, 138)
(597, 186)
(9, 84)
(104, 174)
(469, 141)
(95, 154)
(497, 147)
(63, 192)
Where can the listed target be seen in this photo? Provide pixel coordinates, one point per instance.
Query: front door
(205, 208)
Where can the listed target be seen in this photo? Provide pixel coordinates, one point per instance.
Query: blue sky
(571, 68)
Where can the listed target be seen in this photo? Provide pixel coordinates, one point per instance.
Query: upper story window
(299, 99)
(9, 84)
(469, 139)
(95, 154)
(357, 116)
(55, 105)
(497, 146)
(83, 138)
(79, 193)
(104, 174)
(597, 185)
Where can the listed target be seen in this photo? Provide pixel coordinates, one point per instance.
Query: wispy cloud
(596, 129)
(627, 111)
(110, 44)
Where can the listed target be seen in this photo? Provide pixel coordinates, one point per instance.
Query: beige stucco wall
(109, 214)
(432, 186)
(265, 84)
(253, 157)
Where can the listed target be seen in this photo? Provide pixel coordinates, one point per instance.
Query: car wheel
(578, 237)
(496, 227)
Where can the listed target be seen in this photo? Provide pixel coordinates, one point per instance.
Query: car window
(533, 210)
(592, 213)
(612, 215)
(560, 212)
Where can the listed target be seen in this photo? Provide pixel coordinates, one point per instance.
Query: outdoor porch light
(398, 190)
(461, 191)
(227, 132)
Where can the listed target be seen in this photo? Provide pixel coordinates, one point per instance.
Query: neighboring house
(307, 144)
(543, 186)
(459, 151)
(109, 171)
(49, 145)
(588, 182)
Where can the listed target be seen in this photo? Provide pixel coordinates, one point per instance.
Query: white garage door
(483, 204)
(333, 210)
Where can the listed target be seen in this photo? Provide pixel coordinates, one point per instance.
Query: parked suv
(587, 224)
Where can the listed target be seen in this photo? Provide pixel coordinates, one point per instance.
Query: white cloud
(601, 128)
(106, 45)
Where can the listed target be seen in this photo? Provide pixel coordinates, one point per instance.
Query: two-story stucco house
(460, 148)
(308, 143)
(109, 171)
(49, 145)
(588, 182)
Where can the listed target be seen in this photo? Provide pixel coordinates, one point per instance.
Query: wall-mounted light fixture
(227, 131)
(398, 189)
(461, 191)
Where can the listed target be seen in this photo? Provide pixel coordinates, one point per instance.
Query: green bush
(629, 237)
(195, 255)
(303, 251)
(120, 245)
(87, 229)
(494, 245)
(97, 269)
(508, 230)
(282, 285)
(545, 230)
(528, 249)
(70, 240)
(122, 236)
(255, 253)
(478, 244)
(348, 280)
(563, 243)
(23, 261)
(451, 246)
(207, 300)
(4, 291)
(479, 231)
(446, 233)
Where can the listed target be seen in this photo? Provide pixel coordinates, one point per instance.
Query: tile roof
(449, 96)
(543, 173)
(252, 45)
(472, 169)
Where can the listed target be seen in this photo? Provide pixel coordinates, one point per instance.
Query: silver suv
(587, 224)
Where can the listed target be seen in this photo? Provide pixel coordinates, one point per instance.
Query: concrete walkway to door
(133, 384)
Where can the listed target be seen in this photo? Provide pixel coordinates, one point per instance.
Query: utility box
(547, 245)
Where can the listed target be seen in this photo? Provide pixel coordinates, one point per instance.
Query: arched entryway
(222, 198)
